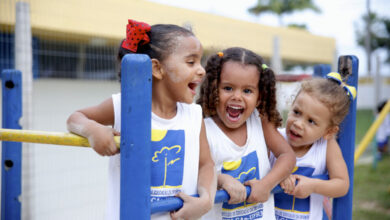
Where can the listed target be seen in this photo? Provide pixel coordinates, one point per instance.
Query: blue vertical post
(11, 166)
(348, 68)
(136, 82)
(321, 70)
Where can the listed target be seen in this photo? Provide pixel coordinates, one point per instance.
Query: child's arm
(338, 183)
(235, 189)
(288, 184)
(283, 166)
(194, 207)
(91, 123)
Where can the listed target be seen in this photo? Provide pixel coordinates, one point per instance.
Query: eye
(296, 112)
(227, 88)
(311, 121)
(247, 91)
(191, 62)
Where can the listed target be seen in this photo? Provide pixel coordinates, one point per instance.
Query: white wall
(62, 182)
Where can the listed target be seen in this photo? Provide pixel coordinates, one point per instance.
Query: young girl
(175, 54)
(238, 100)
(312, 123)
(383, 132)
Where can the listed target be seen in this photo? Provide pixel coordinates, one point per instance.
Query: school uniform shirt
(288, 207)
(383, 132)
(174, 157)
(244, 163)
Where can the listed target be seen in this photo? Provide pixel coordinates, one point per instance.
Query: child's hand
(304, 187)
(288, 184)
(101, 139)
(260, 191)
(234, 188)
(193, 207)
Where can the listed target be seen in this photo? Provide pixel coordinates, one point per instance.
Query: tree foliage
(379, 33)
(282, 7)
(298, 26)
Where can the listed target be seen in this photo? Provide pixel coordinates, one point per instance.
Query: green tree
(379, 33)
(282, 7)
(299, 26)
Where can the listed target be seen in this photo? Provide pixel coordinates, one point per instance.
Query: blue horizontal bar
(175, 203)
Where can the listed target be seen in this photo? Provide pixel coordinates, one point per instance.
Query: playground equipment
(44, 137)
(136, 108)
(68, 139)
(371, 131)
(348, 68)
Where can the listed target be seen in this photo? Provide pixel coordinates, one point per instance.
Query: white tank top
(243, 163)
(174, 156)
(312, 163)
(383, 132)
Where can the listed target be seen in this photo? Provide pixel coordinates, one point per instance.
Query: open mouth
(294, 134)
(192, 86)
(234, 112)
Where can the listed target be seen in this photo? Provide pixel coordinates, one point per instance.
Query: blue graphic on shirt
(168, 148)
(288, 207)
(245, 169)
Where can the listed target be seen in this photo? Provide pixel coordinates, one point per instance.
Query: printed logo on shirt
(288, 207)
(247, 168)
(168, 148)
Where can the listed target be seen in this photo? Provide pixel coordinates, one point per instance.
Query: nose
(237, 95)
(201, 72)
(298, 124)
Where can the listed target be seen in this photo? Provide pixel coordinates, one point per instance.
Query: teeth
(236, 107)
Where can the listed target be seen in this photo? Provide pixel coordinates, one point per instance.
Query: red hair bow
(135, 33)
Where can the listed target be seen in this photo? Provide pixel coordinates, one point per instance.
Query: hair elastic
(351, 91)
(264, 66)
(220, 54)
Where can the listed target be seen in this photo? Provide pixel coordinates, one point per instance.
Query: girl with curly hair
(238, 98)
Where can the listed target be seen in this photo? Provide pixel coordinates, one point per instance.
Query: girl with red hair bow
(181, 161)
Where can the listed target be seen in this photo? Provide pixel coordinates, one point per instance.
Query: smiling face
(308, 121)
(238, 94)
(183, 69)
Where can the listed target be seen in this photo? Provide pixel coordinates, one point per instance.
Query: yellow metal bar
(45, 137)
(371, 131)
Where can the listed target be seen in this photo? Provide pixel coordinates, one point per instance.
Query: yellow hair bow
(351, 90)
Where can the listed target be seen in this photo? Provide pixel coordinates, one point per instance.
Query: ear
(332, 131)
(157, 70)
(258, 101)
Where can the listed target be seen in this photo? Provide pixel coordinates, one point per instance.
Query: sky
(338, 19)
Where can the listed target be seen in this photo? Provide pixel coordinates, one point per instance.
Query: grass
(364, 119)
(371, 194)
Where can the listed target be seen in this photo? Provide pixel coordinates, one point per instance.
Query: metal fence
(57, 55)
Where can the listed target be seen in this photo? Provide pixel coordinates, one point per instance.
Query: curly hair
(329, 93)
(209, 98)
